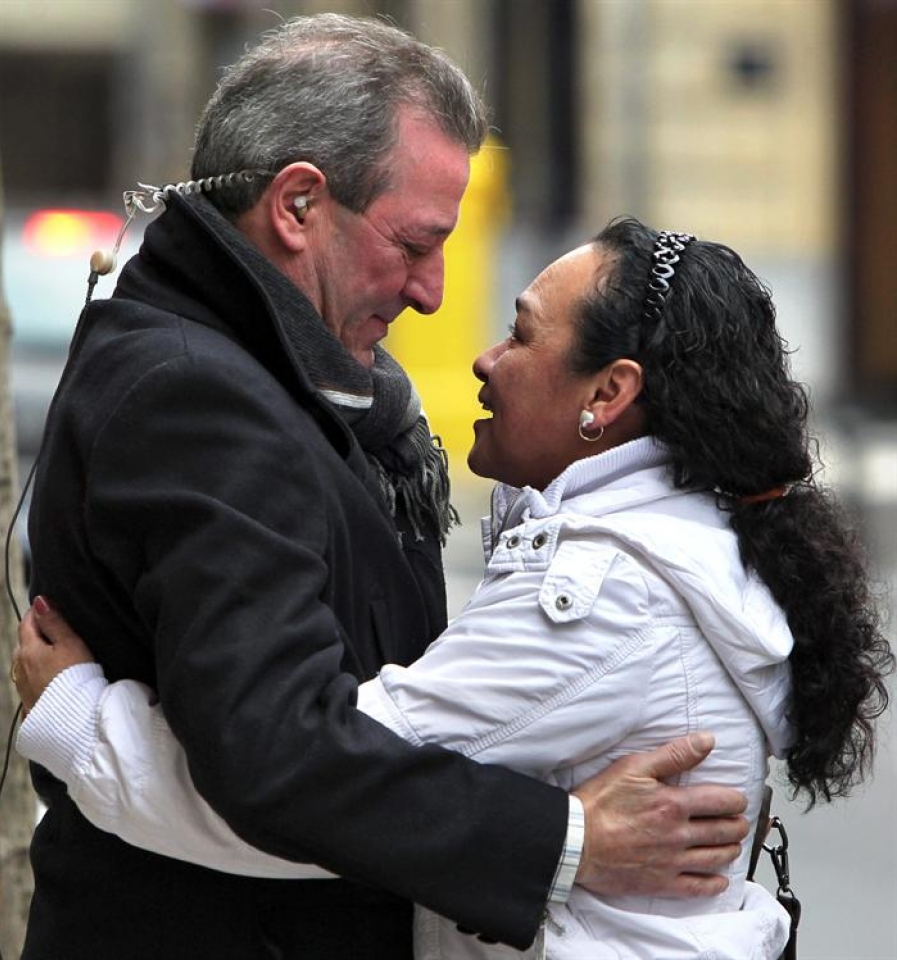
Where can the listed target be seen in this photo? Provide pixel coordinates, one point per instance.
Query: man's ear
(293, 203)
(615, 389)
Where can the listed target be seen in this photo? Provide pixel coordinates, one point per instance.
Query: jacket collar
(610, 471)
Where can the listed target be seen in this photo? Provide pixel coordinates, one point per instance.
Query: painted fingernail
(41, 607)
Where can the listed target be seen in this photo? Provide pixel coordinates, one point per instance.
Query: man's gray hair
(326, 89)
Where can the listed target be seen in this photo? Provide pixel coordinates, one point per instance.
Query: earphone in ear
(301, 205)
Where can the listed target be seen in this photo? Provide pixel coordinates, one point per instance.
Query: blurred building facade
(768, 124)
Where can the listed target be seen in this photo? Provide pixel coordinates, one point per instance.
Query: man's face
(369, 267)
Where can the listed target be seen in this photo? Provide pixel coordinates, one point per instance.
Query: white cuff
(60, 731)
(565, 875)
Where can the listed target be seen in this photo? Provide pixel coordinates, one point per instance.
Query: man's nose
(426, 282)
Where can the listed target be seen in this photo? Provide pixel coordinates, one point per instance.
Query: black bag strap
(779, 856)
(761, 831)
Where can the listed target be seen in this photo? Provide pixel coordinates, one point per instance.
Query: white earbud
(301, 205)
(102, 262)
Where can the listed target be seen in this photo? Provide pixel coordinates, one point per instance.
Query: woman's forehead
(567, 278)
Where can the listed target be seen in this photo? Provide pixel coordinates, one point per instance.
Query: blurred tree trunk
(17, 802)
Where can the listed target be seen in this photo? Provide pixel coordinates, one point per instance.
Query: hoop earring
(586, 418)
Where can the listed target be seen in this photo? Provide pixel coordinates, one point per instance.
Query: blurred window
(536, 110)
(55, 122)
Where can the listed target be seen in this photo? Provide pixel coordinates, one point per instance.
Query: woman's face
(534, 399)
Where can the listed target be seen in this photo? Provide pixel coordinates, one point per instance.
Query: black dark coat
(213, 529)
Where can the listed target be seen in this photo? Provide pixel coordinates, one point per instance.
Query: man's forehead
(420, 220)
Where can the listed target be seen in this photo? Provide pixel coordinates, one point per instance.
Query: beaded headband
(667, 248)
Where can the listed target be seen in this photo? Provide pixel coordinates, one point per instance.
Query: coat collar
(196, 264)
(610, 472)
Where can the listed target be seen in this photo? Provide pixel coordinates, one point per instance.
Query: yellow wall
(438, 350)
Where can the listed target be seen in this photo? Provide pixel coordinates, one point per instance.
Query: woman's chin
(478, 462)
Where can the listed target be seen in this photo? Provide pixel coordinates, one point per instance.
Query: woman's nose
(483, 364)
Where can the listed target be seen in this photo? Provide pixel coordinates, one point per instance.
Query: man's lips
(379, 327)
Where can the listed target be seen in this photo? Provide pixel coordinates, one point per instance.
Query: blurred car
(44, 267)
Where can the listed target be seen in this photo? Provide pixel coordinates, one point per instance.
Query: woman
(660, 558)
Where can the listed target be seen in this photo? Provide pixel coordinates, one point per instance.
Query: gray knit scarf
(380, 404)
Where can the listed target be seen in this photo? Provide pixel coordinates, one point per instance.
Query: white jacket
(614, 615)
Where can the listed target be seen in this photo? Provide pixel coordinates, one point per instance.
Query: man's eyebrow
(522, 305)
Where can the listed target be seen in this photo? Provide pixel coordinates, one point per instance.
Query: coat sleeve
(215, 522)
(112, 747)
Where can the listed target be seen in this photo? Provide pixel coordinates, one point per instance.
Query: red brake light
(62, 233)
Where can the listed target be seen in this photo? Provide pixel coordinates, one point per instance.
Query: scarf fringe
(425, 495)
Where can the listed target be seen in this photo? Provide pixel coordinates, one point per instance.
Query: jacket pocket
(573, 581)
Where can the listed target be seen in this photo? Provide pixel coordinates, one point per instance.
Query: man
(239, 503)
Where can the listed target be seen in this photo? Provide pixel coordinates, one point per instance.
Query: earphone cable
(10, 530)
(12, 599)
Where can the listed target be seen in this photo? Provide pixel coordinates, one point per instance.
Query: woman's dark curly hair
(718, 392)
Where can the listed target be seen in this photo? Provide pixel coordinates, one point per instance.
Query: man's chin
(364, 355)
(362, 347)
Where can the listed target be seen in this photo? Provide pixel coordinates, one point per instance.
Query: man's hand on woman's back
(646, 837)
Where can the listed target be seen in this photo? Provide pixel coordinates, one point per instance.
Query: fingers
(666, 870)
(708, 860)
(646, 836)
(714, 832)
(680, 755)
(30, 634)
(47, 646)
(50, 626)
(699, 876)
(50, 622)
(674, 757)
(711, 802)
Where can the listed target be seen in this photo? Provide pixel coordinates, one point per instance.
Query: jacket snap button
(563, 602)
(513, 542)
(539, 540)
